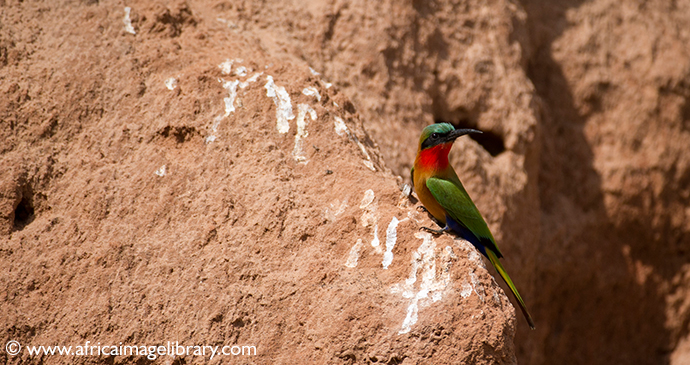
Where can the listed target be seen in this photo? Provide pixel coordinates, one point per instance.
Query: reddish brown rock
(138, 209)
(136, 206)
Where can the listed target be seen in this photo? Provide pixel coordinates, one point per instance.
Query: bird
(442, 195)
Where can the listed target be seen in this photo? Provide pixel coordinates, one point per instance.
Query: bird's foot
(434, 231)
(423, 208)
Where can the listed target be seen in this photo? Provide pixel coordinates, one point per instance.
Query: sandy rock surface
(232, 173)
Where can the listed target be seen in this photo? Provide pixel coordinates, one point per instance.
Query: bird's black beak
(452, 136)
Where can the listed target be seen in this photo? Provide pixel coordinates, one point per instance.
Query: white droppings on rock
(128, 21)
(406, 190)
(353, 256)
(231, 87)
(375, 243)
(171, 83)
(254, 77)
(369, 209)
(161, 171)
(367, 199)
(431, 288)
(311, 91)
(281, 99)
(214, 128)
(404, 200)
(340, 126)
(391, 238)
(230, 24)
(302, 111)
(229, 101)
(226, 67)
(369, 165)
(241, 71)
(367, 162)
(370, 218)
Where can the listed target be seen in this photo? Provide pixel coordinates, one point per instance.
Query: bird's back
(463, 216)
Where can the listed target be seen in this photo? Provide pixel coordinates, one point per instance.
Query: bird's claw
(422, 208)
(434, 231)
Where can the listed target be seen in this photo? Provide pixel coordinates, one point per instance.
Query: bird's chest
(429, 201)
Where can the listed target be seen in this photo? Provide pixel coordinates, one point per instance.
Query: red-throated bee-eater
(442, 194)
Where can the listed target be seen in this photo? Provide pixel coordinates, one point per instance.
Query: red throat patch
(435, 158)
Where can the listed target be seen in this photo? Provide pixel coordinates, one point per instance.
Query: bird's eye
(434, 135)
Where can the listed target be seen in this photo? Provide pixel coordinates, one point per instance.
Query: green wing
(451, 195)
(460, 207)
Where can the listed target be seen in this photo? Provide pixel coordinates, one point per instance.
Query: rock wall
(169, 178)
(155, 185)
(614, 177)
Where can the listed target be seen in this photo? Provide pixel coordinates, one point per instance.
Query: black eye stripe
(433, 139)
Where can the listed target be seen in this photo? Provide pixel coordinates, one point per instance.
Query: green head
(441, 133)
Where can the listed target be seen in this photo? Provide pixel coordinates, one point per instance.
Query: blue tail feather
(464, 232)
